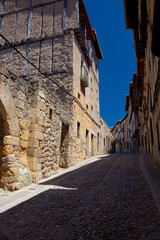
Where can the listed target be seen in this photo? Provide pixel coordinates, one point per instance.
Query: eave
(85, 22)
(140, 54)
(131, 13)
(97, 46)
(156, 31)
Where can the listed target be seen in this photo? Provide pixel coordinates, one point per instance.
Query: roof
(85, 22)
(91, 33)
(97, 46)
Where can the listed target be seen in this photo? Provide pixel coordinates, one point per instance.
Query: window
(91, 84)
(92, 111)
(97, 94)
(50, 113)
(78, 130)
(98, 115)
(79, 96)
(87, 106)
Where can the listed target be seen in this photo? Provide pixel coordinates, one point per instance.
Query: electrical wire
(60, 87)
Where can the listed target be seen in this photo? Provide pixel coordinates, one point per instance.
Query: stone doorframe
(9, 178)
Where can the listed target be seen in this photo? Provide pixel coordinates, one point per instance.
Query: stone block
(23, 144)
(37, 135)
(19, 113)
(6, 95)
(11, 140)
(14, 186)
(36, 176)
(23, 158)
(19, 104)
(41, 94)
(33, 143)
(34, 164)
(10, 109)
(24, 135)
(35, 127)
(2, 85)
(8, 161)
(12, 127)
(8, 149)
(34, 152)
(42, 106)
(24, 124)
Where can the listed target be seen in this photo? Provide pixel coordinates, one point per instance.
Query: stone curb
(152, 174)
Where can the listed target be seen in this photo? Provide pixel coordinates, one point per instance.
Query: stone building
(143, 101)
(49, 89)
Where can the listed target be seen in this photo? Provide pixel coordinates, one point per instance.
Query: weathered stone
(12, 127)
(11, 140)
(8, 161)
(19, 104)
(8, 149)
(33, 142)
(5, 95)
(24, 123)
(37, 135)
(34, 152)
(23, 171)
(14, 186)
(41, 94)
(2, 85)
(42, 106)
(23, 144)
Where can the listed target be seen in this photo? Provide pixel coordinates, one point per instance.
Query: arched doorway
(9, 133)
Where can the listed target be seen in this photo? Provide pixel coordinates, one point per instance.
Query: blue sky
(119, 63)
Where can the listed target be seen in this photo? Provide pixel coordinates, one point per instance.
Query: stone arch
(9, 137)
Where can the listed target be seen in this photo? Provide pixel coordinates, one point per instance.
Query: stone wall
(31, 130)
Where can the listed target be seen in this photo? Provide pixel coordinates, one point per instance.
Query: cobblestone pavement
(105, 200)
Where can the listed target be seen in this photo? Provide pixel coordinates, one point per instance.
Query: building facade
(143, 101)
(49, 90)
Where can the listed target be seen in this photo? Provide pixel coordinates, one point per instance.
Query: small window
(98, 115)
(87, 106)
(91, 84)
(79, 96)
(97, 95)
(104, 141)
(92, 111)
(78, 130)
(50, 113)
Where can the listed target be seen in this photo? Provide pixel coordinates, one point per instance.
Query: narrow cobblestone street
(110, 198)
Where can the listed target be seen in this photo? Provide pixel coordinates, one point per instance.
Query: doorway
(87, 142)
(63, 160)
(92, 144)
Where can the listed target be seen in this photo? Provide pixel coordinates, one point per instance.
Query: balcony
(84, 76)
